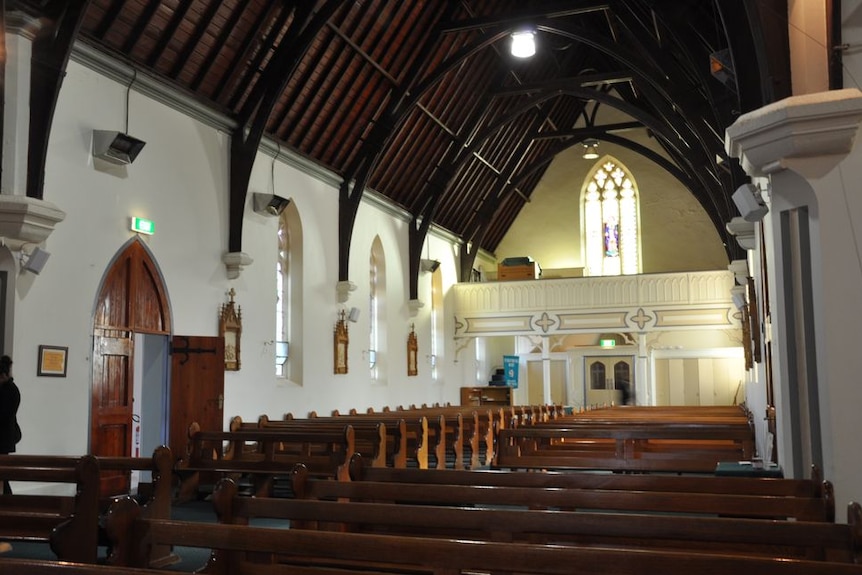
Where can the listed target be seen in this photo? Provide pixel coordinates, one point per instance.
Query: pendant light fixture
(591, 149)
(523, 44)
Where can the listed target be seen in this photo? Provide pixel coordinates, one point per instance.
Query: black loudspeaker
(36, 260)
(429, 265)
(269, 204)
(116, 147)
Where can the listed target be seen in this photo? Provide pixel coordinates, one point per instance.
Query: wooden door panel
(197, 387)
(112, 403)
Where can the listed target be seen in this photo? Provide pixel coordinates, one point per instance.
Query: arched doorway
(132, 299)
(132, 315)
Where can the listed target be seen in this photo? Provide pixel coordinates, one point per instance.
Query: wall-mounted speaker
(428, 265)
(269, 204)
(36, 260)
(737, 294)
(353, 315)
(116, 147)
(748, 202)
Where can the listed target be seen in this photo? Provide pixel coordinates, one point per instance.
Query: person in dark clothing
(625, 387)
(10, 399)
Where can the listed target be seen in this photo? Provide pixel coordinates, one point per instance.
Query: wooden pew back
(799, 539)
(240, 548)
(712, 504)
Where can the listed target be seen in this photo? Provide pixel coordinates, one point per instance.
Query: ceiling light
(523, 44)
(591, 149)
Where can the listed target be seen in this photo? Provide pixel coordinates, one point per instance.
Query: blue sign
(510, 366)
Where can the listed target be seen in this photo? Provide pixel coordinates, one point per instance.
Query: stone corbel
(25, 220)
(343, 289)
(740, 271)
(743, 231)
(234, 262)
(808, 134)
(415, 305)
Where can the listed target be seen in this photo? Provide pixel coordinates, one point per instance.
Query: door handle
(221, 401)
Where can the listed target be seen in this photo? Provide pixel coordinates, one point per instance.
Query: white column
(16, 111)
(804, 144)
(644, 389)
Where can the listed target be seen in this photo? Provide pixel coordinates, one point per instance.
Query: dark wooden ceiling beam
(579, 134)
(242, 55)
(406, 22)
(670, 107)
(581, 80)
(253, 69)
(491, 203)
(692, 107)
(358, 173)
(441, 181)
(338, 65)
(675, 57)
(667, 129)
(515, 17)
(50, 55)
(108, 19)
(221, 40)
(203, 25)
(140, 25)
(365, 55)
(166, 35)
(245, 140)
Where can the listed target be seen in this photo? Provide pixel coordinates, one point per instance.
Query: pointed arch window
(598, 379)
(288, 296)
(377, 310)
(436, 322)
(611, 221)
(282, 299)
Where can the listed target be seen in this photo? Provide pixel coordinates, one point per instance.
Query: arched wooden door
(132, 300)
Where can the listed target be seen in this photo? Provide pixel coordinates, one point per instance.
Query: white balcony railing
(693, 300)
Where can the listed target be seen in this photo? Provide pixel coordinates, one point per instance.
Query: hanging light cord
(128, 95)
(272, 168)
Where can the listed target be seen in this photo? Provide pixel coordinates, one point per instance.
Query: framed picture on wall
(53, 361)
(230, 328)
(412, 352)
(341, 339)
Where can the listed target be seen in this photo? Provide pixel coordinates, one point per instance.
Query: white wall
(180, 181)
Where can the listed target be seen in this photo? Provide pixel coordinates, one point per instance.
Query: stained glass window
(611, 221)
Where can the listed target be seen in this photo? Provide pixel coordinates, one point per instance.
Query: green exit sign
(608, 342)
(143, 226)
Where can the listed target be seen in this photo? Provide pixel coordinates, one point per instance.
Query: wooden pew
(156, 496)
(467, 433)
(14, 566)
(416, 442)
(667, 446)
(813, 488)
(69, 523)
(621, 500)
(791, 539)
(246, 550)
(458, 436)
(262, 456)
(369, 436)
